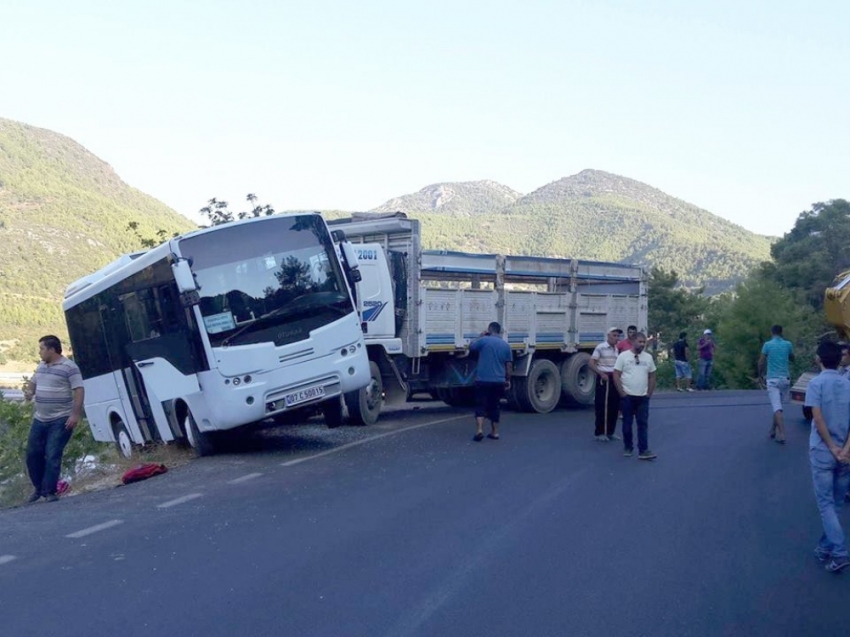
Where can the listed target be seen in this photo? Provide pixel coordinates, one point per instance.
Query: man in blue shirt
(828, 394)
(492, 378)
(777, 353)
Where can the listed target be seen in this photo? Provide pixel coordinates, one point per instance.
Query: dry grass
(107, 474)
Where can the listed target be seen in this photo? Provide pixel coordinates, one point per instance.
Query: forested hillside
(593, 215)
(63, 214)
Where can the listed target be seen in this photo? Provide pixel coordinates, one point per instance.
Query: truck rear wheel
(364, 406)
(540, 390)
(578, 382)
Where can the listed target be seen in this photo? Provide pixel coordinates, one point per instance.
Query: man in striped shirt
(58, 390)
(607, 399)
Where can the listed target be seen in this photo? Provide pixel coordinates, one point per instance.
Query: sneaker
(822, 555)
(690, 389)
(628, 453)
(837, 563)
(679, 389)
(614, 437)
(602, 438)
(647, 455)
(52, 497)
(34, 497)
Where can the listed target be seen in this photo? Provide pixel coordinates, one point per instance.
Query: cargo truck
(420, 310)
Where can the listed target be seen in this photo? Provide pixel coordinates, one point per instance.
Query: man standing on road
(634, 375)
(828, 394)
(776, 354)
(626, 344)
(706, 346)
(58, 390)
(680, 360)
(492, 378)
(607, 400)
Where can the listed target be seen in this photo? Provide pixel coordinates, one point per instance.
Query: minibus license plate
(304, 395)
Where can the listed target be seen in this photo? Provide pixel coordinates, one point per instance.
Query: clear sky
(741, 107)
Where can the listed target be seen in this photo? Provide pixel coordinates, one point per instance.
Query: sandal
(492, 437)
(478, 437)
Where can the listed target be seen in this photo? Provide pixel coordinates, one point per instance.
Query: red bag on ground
(143, 472)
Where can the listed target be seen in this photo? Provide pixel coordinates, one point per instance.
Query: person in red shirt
(626, 344)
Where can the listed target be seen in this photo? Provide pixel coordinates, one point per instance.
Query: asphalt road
(420, 531)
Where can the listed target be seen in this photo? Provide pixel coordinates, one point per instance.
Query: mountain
(463, 199)
(592, 215)
(63, 214)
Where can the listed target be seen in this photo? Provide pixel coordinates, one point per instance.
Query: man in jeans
(681, 350)
(775, 355)
(706, 347)
(58, 390)
(634, 376)
(828, 394)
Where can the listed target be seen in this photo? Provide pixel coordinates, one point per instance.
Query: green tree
(744, 326)
(218, 211)
(672, 308)
(814, 252)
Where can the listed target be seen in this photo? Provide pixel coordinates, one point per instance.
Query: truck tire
(364, 406)
(201, 442)
(578, 382)
(332, 411)
(123, 441)
(540, 391)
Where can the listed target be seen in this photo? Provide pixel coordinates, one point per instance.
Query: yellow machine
(836, 306)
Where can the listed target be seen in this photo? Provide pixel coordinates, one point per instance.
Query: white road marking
(250, 476)
(365, 440)
(177, 501)
(95, 529)
(5, 559)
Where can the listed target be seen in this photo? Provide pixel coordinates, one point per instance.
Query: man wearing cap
(607, 401)
(706, 346)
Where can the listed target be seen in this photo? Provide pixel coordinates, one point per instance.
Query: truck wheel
(123, 441)
(332, 411)
(364, 406)
(201, 442)
(540, 391)
(578, 382)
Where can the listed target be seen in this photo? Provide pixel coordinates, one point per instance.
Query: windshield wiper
(295, 307)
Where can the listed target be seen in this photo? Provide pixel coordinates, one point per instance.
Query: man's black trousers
(606, 427)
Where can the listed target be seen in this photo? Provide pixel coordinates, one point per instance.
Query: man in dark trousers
(634, 375)
(58, 390)
(607, 400)
(492, 378)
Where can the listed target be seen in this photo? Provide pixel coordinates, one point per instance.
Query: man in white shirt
(607, 401)
(634, 376)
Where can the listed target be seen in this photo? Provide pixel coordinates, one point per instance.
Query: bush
(15, 422)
